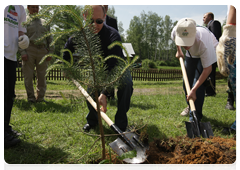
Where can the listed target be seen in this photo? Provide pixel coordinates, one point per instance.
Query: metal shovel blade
(119, 147)
(205, 129)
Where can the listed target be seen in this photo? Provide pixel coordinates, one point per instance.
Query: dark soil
(184, 150)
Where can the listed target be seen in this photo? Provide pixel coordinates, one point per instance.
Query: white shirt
(204, 46)
(14, 15)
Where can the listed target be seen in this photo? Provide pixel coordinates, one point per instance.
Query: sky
(125, 13)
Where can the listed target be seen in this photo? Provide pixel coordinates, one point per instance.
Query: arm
(227, 43)
(23, 52)
(23, 42)
(231, 19)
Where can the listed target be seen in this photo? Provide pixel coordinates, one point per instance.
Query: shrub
(146, 63)
(161, 63)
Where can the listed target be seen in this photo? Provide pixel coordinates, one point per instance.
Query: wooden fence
(137, 74)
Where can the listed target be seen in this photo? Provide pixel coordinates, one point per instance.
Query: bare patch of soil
(54, 94)
(184, 150)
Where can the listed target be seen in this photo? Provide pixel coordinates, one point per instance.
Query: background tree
(150, 36)
(135, 35)
(121, 31)
(58, 26)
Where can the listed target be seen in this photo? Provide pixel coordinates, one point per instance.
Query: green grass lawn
(52, 132)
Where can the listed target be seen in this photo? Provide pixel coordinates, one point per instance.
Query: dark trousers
(124, 94)
(9, 93)
(230, 93)
(209, 89)
(193, 75)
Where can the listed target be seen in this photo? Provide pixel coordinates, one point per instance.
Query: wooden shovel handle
(191, 102)
(93, 103)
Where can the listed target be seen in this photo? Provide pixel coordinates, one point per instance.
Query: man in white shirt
(14, 36)
(201, 44)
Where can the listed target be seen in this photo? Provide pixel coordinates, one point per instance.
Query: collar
(209, 22)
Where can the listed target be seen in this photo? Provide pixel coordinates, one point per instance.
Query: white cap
(185, 32)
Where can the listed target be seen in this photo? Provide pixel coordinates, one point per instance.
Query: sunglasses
(98, 21)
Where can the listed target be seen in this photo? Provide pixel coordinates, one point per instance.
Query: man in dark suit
(112, 22)
(215, 27)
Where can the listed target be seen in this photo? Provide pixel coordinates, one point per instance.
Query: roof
(129, 49)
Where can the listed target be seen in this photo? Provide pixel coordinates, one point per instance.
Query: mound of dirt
(183, 153)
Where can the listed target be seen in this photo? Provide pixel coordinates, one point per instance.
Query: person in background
(226, 56)
(200, 43)
(107, 36)
(215, 27)
(112, 22)
(34, 54)
(14, 36)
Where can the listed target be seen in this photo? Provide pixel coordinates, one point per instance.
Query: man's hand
(192, 95)
(102, 99)
(24, 57)
(179, 52)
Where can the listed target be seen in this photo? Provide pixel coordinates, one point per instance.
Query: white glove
(226, 49)
(23, 42)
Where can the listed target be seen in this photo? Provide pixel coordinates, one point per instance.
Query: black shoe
(14, 133)
(228, 131)
(10, 141)
(87, 127)
(229, 106)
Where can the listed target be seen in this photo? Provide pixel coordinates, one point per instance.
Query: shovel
(195, 128)
(129, 141)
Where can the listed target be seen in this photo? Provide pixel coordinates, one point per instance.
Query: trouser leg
(92, 118)
(28, 71)
(124, 94)
(9, 86)
(41, 73)
(230, 98)
(232, 78)
(211, 90)
(191, 64)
